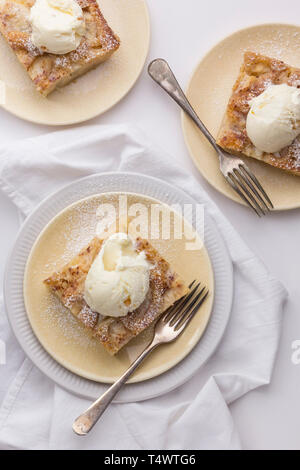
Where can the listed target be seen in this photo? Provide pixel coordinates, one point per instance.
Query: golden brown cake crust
(68, 284)
(49, 71)
(256, 74)
(114, 333)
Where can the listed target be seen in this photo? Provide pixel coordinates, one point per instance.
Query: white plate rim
(14, 273)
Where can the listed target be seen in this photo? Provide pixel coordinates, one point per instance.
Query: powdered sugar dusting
(54, 314)
(80, 222)
(13, 73)
(291, 155)
(296, 153)
(280, 45)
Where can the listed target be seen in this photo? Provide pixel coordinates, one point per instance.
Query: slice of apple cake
(165, 288)
(49, 70)
(257, 74)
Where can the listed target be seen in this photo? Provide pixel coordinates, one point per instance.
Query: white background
(182, 32)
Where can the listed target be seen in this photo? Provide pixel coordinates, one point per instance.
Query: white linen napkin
(37, 414)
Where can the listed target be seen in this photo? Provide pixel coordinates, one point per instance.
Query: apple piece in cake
(114, 333)
(257, 73)
(49, 71)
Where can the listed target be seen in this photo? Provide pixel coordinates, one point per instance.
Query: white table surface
(182, 31)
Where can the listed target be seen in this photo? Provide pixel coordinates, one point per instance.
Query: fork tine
(244, 187)
(244, 175)
(237, 190)
(191, 315)
(180, 304)
(179, 315)
(247, 189)
(255, 180)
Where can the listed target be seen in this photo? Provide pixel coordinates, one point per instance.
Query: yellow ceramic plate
(93, 93)
(209, 91)
(62, 336)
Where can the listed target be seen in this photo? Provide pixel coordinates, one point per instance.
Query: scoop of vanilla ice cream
(118, 280)
(57, 25)
(273, 121)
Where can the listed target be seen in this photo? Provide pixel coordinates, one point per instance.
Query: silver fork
(238, 175)
(169, 327)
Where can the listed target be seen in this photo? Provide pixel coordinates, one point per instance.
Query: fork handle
(85, 422)
(162, 74)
